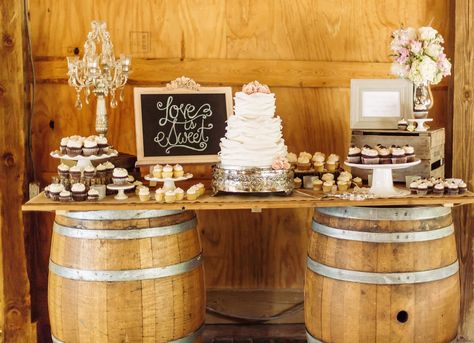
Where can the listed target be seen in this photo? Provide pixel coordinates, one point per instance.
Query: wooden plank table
(299, 199)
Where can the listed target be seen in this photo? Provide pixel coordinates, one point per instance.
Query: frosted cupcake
(54, 190)
(178, 171)
(318, 167)
(453, 188)
(179, 194)
(369, 155)
(75, 172)
(343, 185)
(357, 181)
(422, 189)
(63, 145)
(297, 182)
(200, 188)
(109, 169)
(438, 189)
(89, 172)
(167, 172)
(74, 147)
(170, 197)
(159, 195)
(119, 176)
(303, 163)
(414, 187)
(292, 159)
(409, 152)
(462, 187)
(398, 155)
(318, 157)
(157, 170)
(327, 186)
(63, 170)
(353, 156)
(65, 196)
(385, 156)
(78, 191)
(100, 170)
(90, 147)
(402, 125)
(305, 154)
(317, 185)
(144, 193)
(332, 162)
(102, 144)
(93, 195)
(191, 193)
(327, 177)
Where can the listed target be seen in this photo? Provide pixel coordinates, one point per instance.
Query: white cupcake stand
(382, 180)
(121, 190)
(420, 124)
(168, 183)
(83, 161)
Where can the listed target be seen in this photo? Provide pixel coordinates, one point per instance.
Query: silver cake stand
(251, 180)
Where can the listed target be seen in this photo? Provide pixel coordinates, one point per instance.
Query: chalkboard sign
(180, 125)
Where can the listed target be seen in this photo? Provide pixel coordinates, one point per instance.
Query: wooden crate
(429, 147)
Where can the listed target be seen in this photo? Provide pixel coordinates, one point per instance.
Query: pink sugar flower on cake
(281, 163)
(255, 87)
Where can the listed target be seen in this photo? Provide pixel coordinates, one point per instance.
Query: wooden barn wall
(306, 50)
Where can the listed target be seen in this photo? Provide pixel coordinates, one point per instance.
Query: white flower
(428, 69)
(434, 50)
(427, 33)
(414, 73)
(399, 70)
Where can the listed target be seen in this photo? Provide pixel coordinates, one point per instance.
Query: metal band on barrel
(125, 233)
(383, 278)
(383, 237)
(124, 275)
(187, 339)
(392, 213)
(311, 339)
(117, 215)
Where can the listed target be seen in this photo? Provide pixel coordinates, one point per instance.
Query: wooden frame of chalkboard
(180, 125)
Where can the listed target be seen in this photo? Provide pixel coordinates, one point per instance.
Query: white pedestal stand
(420, 124)
(382, 181)
(168, 183)
(121, 190)
(83, 161)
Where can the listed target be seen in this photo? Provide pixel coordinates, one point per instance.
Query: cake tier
(254, 105)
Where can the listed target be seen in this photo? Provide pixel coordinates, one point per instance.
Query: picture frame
(180, 123)
(380, 103)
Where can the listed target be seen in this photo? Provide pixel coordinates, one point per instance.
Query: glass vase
(422, 99)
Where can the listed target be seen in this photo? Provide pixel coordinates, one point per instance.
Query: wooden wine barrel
(382, 275)
(126, 276)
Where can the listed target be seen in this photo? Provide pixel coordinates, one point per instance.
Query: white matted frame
(172, 88)
(380, 103)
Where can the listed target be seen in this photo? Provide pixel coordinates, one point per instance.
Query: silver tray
(251, 180)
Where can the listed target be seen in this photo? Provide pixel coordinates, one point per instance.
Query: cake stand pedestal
(83, 161)
(121, 190)
(382, 181)
(420, 124)
(169, 182)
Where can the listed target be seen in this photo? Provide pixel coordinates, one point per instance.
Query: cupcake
(75, 172)
(343, 185)
(327, 177)
(63, 145)
(318, 157)
(167, 172)
(157, 170)
(178, 171)
(306, 155)
(353, 156)
(65, 196)
(414, 187)
(402, 125)
(409, 152)
(317, 185)
(384, 154)
(93, 195)
(74, 147)
(292, 159)
(78, 191)
(170, 197)
(462, 186)
(102, 144)
(90, 147)
(191, 194)
(438, 189)
(89, 172)
(46, 191)
(430, 186)
(369, 155)
(200, 188)
(318, 167)
(109, 169)
(345, 174)
(297, 182)
(119, 176)
(303, 163)
(453, 188)
(357, 181)
(398, 155)
(100, 170)
(179, 194)
(137, 185)
(54, 190)
(63, 170)
(159, 195)
(332, 162)
(327, 186)
(144, 193)
(422, 189)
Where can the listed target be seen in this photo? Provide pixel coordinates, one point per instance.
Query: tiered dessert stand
(169, 182)
(382, 180)
(83, 161)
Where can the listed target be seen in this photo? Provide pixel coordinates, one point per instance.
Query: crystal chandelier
(99, 72)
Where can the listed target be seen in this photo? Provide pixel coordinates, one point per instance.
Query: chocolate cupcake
(90, 148)
(109, 169)
(414, 187)
(101, 171)
(409, 152)
(89, 172)
(75, 172)
(119, 176)
(54, 190)
(92, 195)
(74, 147)
(398, 155)
(462, 186)
(353, 156)
(63, 170)
(422, 189)
(453, 188)
(103, 145)
(63, 145)
(438, 189)
(65, 196)
(402, 125)
(369, 155)
(384, 154)
(79, 192)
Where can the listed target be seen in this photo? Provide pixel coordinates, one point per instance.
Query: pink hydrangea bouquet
(418, 55)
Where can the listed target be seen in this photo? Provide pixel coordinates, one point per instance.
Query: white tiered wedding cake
(254, 137)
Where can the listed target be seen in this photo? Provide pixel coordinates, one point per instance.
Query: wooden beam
(276, 73)
(15, 289)
(463, 153)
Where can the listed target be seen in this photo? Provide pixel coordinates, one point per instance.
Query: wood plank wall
(306, 50)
